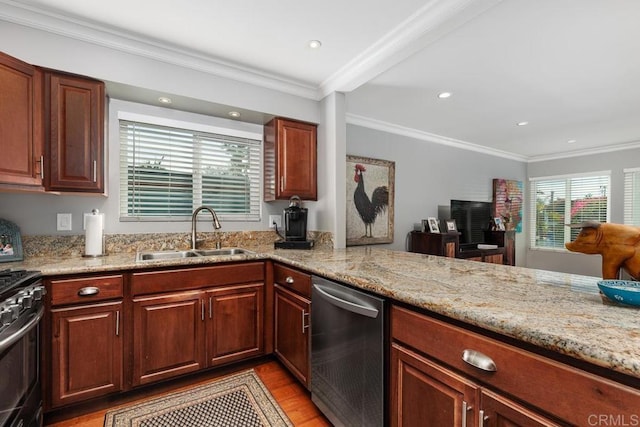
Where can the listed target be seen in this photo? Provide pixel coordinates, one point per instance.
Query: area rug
(240, 400)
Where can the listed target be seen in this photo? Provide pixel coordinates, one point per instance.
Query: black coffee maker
(295, 227)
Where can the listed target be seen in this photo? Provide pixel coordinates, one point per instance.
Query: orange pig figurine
(618, 244)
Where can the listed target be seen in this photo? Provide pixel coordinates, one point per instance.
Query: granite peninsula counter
(560, 312)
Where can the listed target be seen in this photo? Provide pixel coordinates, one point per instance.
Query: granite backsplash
(73, 245)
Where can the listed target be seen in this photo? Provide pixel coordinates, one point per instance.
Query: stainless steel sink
(171, 254)
(225, 251)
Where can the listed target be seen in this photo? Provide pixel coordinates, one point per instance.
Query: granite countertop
(556, 311)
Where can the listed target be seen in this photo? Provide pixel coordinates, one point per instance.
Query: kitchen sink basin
(171, 254)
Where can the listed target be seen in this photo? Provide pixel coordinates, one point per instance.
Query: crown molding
(370, 123)
(428, 24)
(29, 16)
(586, 152)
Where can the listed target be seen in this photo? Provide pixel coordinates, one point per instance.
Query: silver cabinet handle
(95, 171)
(304, 324)
(118, 323)
(210, 308)
(481, 418)
(465, 408)
(289, 280)
(479, 360)
(202, 308)
(282, 183)
(88, 291)
(41, 161)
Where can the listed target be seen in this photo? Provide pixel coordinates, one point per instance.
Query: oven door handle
(346, 305)
(9, 341)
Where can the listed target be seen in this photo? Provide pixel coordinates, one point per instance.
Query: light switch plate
(277, 219)
(63, 222)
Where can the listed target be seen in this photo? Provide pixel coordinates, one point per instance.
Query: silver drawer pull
(88, 291)
(479, 360)
(289, 280)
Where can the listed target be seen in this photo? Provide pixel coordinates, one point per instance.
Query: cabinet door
(499, 411)
(290, 160)
(75, 114)
(168, 336)
(234, 328)
(424, 393)
(292, 337)
(20, 123)
(86, 354)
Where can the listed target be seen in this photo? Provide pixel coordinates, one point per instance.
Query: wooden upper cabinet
(290, 160)
(74, 114)
(21, 137)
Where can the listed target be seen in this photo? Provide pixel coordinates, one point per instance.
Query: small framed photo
(10, 242)
(451, 225)
(433, 225)
(499, 224)
(425, 225)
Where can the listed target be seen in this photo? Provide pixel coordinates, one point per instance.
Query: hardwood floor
(292, 397)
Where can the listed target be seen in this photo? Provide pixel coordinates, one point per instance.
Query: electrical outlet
(64, 222)
(277, 219)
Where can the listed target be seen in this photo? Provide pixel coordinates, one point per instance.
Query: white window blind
(166, 172)
(632, 196)
(556, 201)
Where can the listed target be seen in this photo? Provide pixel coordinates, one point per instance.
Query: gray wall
(430, 174)
(615, 162)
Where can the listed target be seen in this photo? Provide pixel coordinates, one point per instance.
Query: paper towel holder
(95, 212)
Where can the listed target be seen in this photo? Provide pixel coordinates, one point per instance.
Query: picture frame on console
(451, 226)
(498, 223)
(433, 225)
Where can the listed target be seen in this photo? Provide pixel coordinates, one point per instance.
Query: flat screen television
(472, 218)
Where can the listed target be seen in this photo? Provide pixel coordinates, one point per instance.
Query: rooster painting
(370, 200)
(368, 209)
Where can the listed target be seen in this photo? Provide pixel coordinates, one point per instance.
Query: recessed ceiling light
(315, 44)
(164, 100)
(234, 114)
(523, 123)
(571, 141)
(444, 95)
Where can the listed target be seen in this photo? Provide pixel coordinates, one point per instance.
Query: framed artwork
(499, 224)
(451, 225)
(433, 225)
(507, 203)
(10, 242)
(370, 200)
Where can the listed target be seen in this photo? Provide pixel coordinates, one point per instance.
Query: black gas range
(21, 309)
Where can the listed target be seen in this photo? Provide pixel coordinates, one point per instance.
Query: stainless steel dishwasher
(347, 354)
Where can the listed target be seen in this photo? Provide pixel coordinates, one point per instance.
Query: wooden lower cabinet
(292, 337)
(168, 336)
(86, 356)
(234, 327)
(523, 389)
(184, 332)
(425, 393)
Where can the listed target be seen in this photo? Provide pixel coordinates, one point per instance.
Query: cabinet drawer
(566, 392)
(292, 279)
(182, 279)
(85, 289)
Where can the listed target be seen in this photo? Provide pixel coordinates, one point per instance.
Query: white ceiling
(568, 67)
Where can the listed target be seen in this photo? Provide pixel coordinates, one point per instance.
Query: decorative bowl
(621, 291)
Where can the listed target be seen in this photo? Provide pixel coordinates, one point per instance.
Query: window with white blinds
(569, 199)
(166, 172)
(632, 196)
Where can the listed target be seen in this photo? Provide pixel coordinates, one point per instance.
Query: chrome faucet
(216, 224)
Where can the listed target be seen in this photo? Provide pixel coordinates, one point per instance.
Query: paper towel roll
(94, 225)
